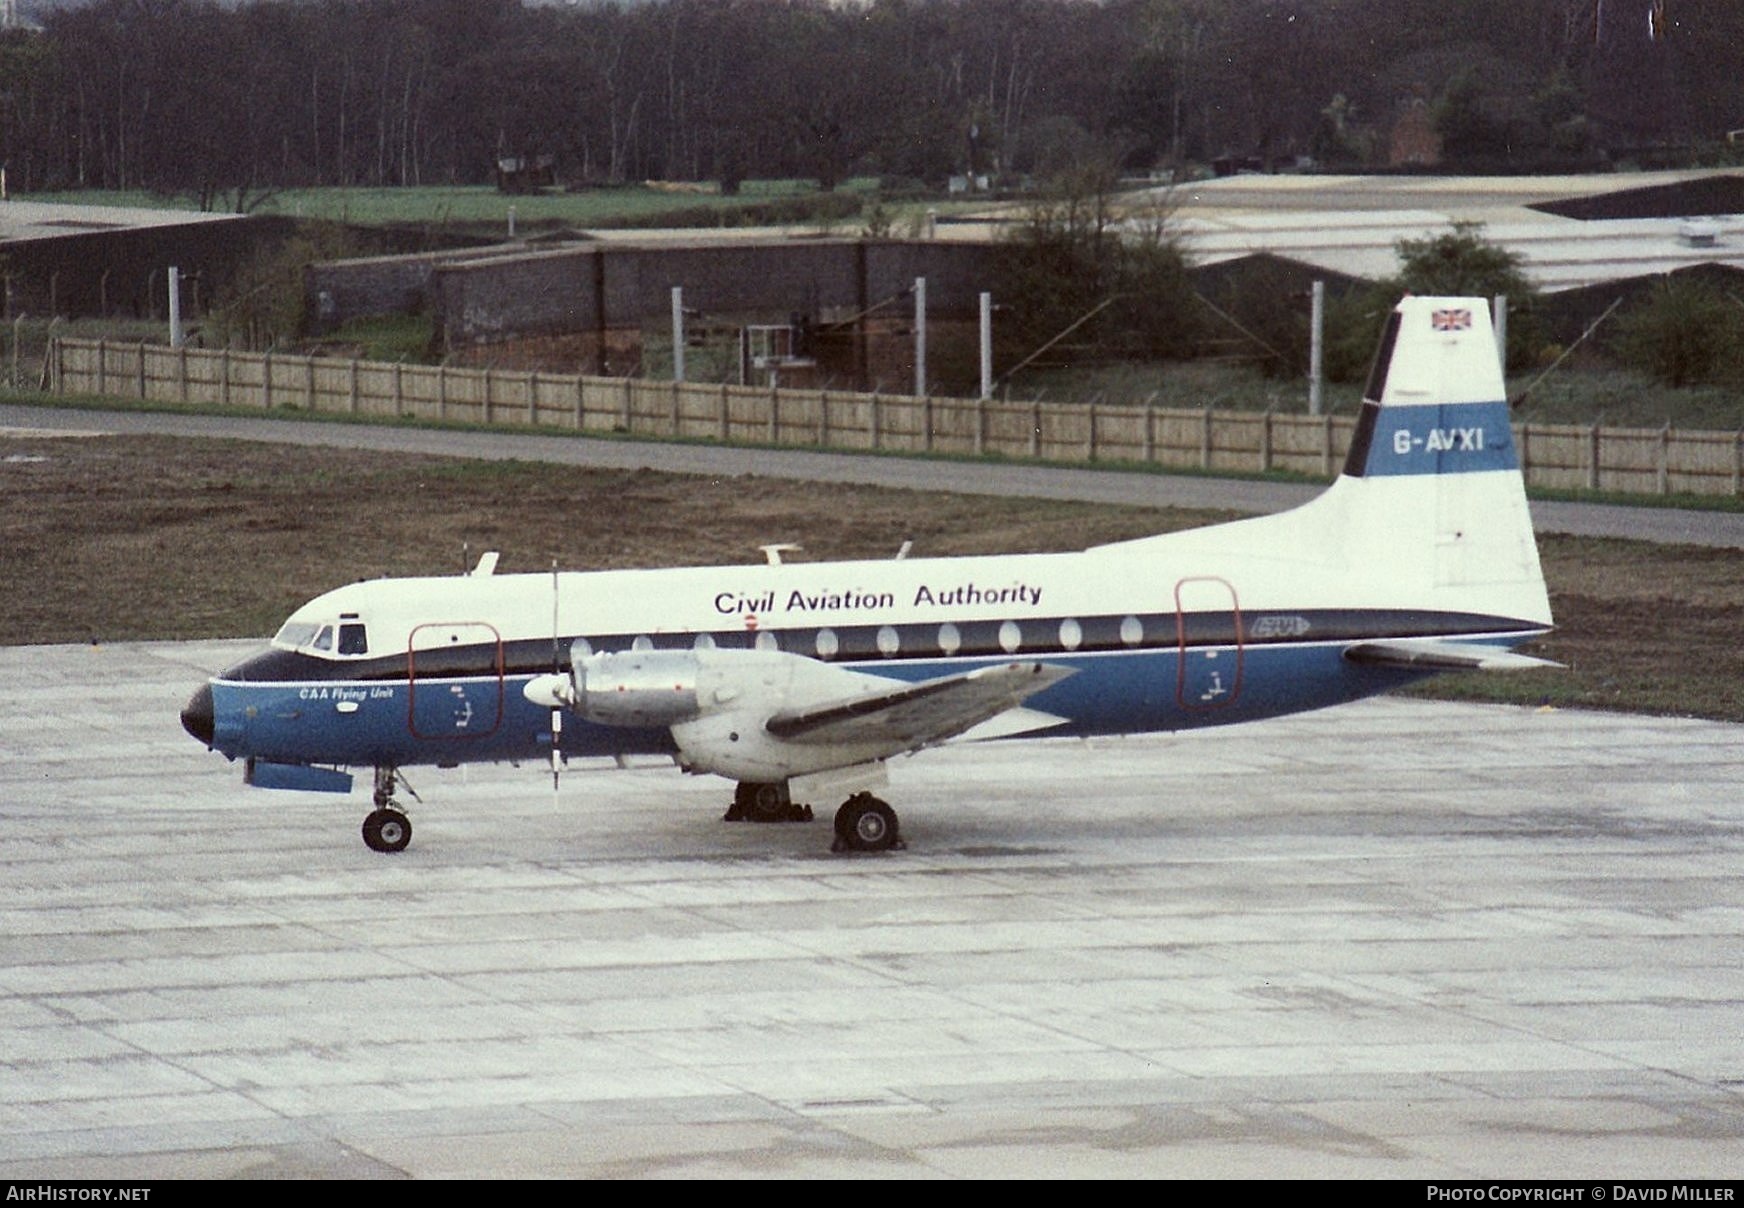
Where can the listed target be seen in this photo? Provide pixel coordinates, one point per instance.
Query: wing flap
(1442, 656)
(916, 715)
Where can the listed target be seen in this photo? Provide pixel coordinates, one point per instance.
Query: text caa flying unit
(800, 681)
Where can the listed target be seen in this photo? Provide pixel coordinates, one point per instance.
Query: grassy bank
(160, 537)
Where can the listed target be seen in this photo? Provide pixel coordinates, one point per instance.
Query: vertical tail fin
(1433, 476)
(1435, 402)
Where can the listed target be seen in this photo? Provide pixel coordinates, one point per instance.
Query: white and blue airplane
(800, 681)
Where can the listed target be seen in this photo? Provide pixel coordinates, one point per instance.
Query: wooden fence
(1640, 461)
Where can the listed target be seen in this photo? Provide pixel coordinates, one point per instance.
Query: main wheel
(865, 823)
(387, 830)
(765, 801)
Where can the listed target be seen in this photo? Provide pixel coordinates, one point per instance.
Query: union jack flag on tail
(1450, 320)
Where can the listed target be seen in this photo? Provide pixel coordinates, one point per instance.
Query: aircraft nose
(197, 714)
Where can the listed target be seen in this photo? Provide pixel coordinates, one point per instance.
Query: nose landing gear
(387, 829)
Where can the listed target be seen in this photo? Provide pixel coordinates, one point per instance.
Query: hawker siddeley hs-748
(800, 681)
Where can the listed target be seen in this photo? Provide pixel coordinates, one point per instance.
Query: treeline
(222, 101)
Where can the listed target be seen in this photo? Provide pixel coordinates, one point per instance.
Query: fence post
(677, 411)
(726, 412)
(926, 422)
(1738, 462)
(1150, 432)
(1266, 440)
(141, 370)
(1665, 459)
(309, 381)
(580, 401)
(102, 366)
(490, 379)
(624, 414)
(1205, 441)
(182, 373)
(981, 425)
(1326, 444)
(351, 388)
(442, 391)
(1091, 416)
(266, 381)
(1526, 452)
(1593, 457)
(533, 398)
(1035, 429)
(823, 435)
(774, 411)
(224, 376)
(875, 434)
(399, 393)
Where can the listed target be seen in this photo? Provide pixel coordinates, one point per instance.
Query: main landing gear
(863, 823)
(387, 829)
(765, 802)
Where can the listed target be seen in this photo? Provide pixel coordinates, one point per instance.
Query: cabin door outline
(450, 703)
(1211, 647)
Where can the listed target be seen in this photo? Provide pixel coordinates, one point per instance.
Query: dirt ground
(109, 538)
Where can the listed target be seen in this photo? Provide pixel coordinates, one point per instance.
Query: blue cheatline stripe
(1445, 438)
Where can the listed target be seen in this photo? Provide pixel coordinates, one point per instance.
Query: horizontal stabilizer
(915, 715)
(1442, 656)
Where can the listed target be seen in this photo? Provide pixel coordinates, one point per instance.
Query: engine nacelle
(637, 687)
(716, 703)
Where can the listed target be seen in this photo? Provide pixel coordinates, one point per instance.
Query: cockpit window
(352, 637)
(296, 633)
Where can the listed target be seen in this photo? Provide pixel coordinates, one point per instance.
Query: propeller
(556, 707)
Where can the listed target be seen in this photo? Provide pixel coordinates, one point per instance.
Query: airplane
(800, 681)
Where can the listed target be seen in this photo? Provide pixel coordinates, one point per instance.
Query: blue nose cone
(197, 714)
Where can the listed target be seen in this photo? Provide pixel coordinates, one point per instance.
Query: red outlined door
(1208, 629)
(455, 672)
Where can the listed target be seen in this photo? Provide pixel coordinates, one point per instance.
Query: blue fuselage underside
(468, 718)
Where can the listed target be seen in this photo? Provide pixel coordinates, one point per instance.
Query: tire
(864, 823)
(387, 831)
(763, 802)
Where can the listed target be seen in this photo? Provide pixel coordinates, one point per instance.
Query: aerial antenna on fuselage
(772, 552)
(903, 552)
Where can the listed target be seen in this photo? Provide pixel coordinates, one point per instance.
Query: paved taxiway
(1401, 939)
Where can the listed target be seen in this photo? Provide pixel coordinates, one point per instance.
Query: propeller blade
(556, 748)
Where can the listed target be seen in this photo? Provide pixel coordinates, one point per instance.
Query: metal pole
(176, 335)
(1316, 347)
(920, 374)
(678, 333)
(1500, 309)
(986, 345)
(17, 338)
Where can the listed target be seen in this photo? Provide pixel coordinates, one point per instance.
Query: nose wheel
(387, 829)
(864, 823)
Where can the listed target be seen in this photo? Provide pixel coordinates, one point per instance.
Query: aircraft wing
(917, 715)
(1442, 656)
